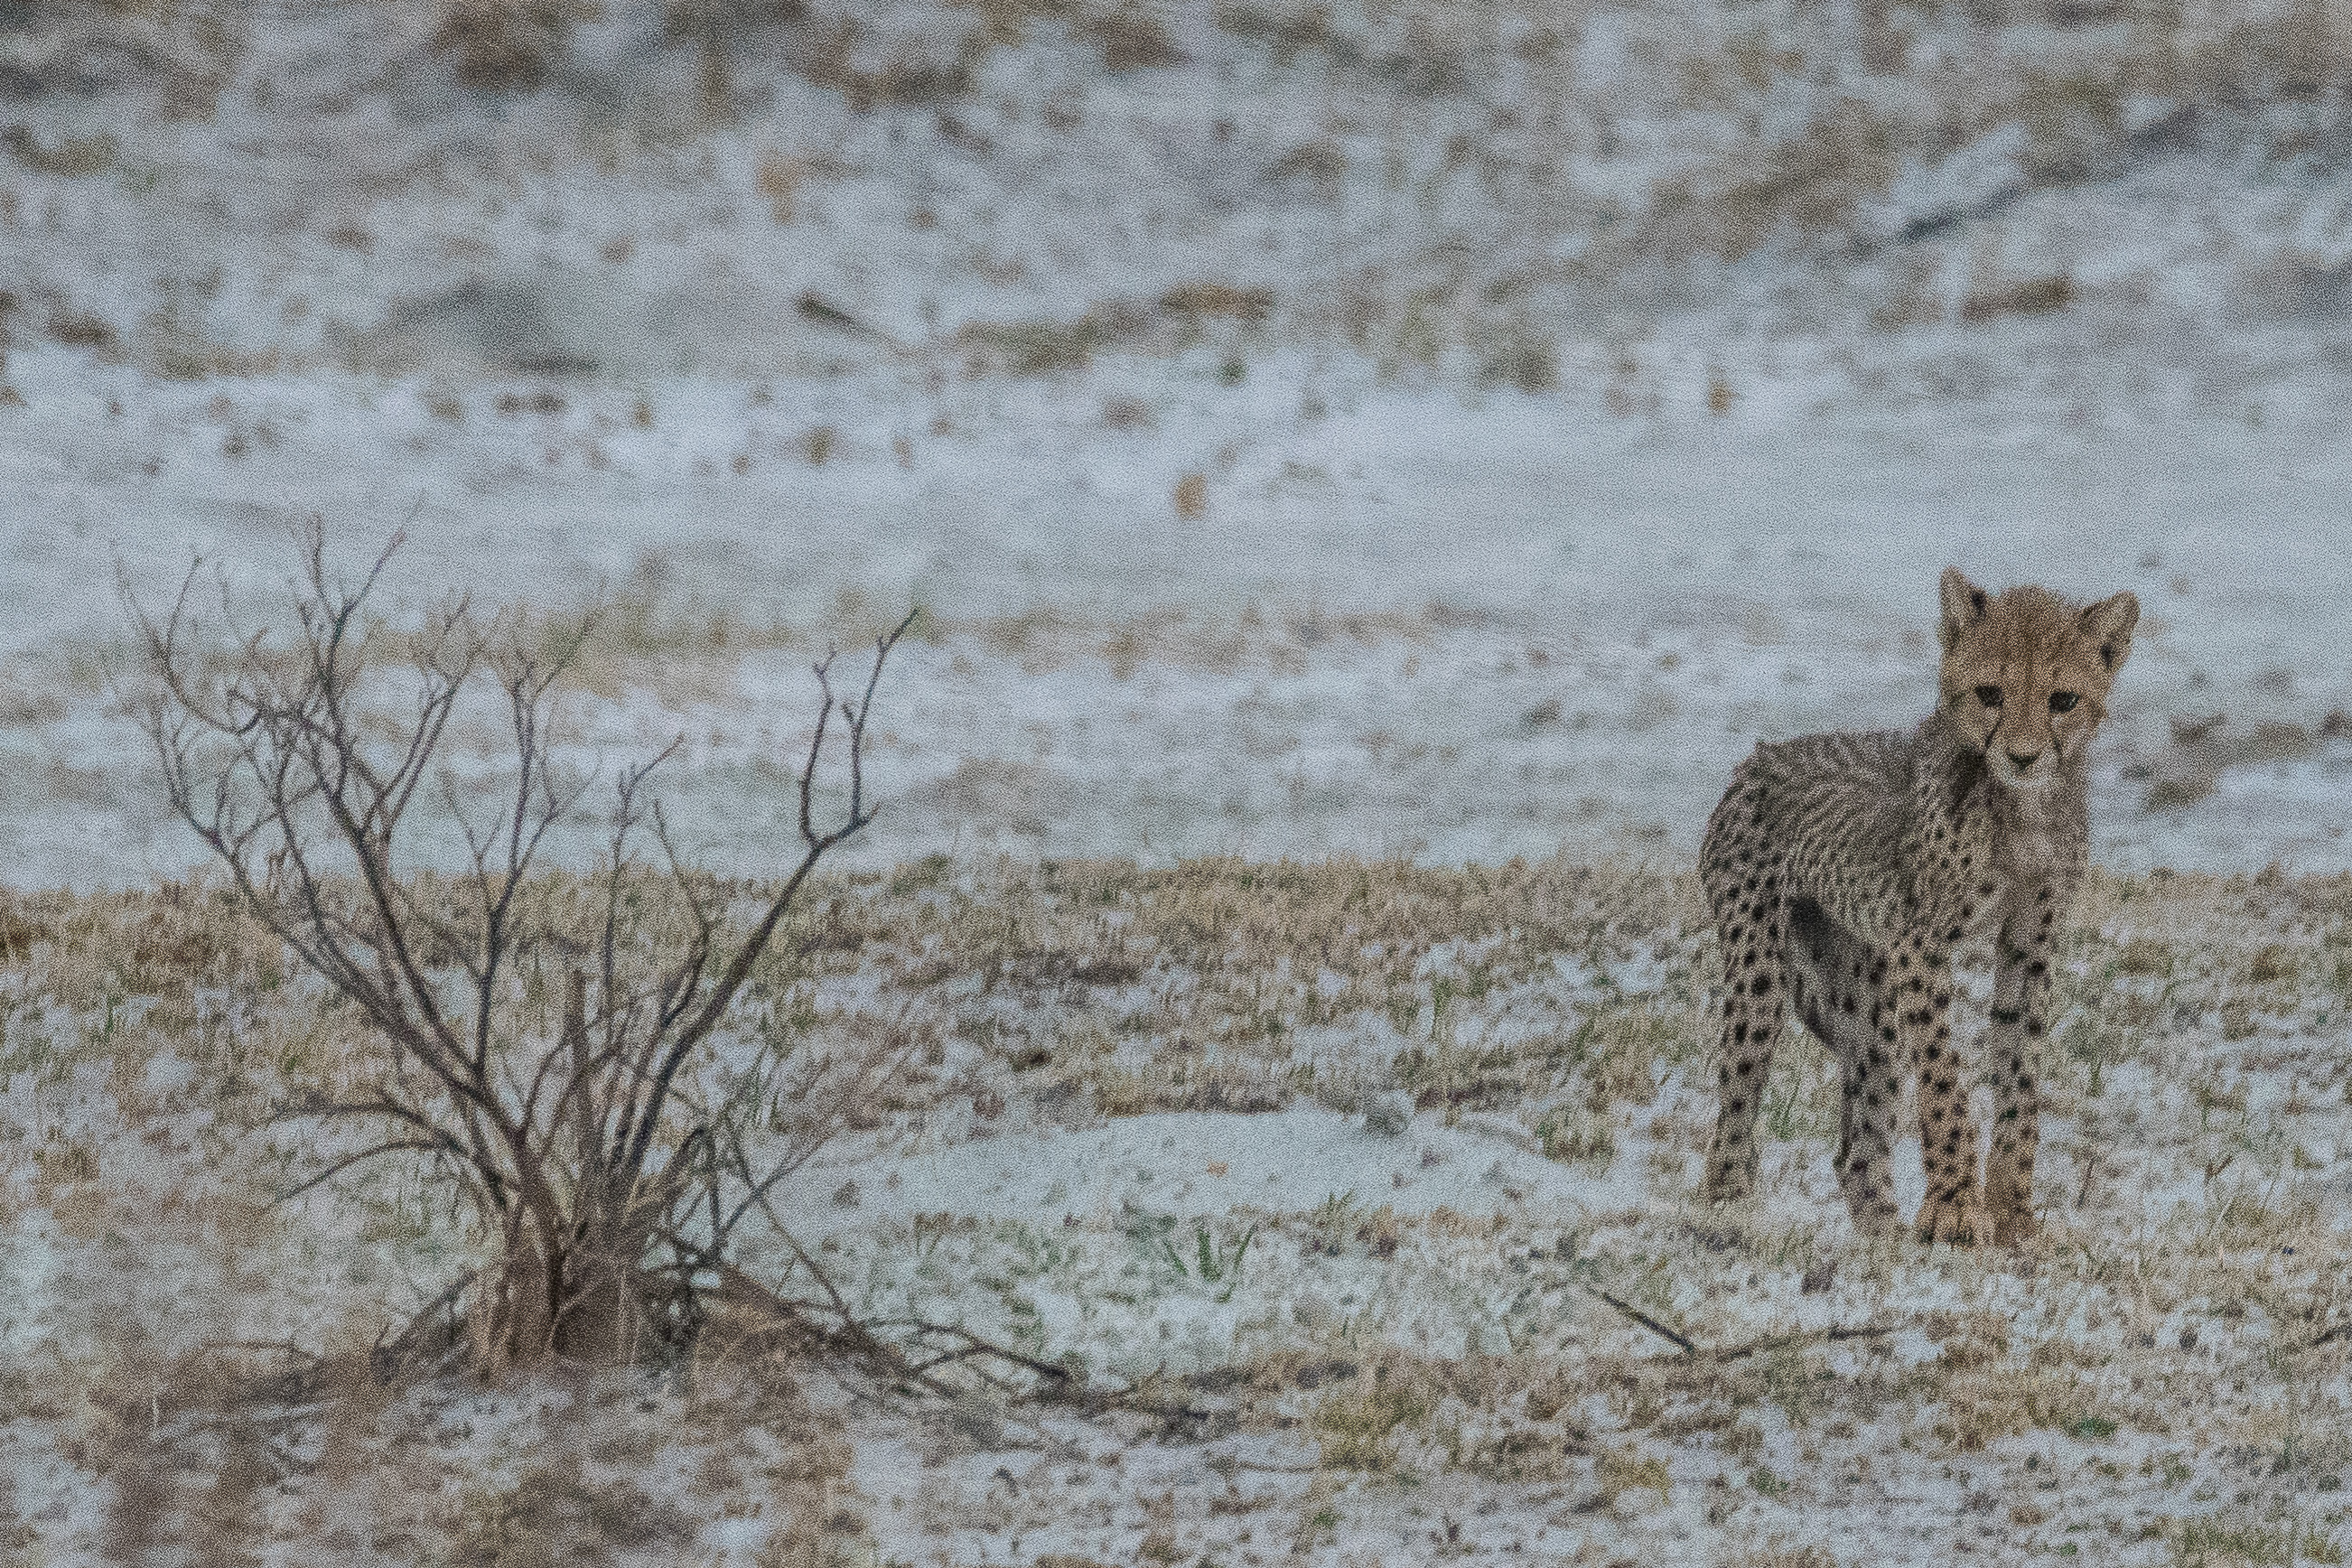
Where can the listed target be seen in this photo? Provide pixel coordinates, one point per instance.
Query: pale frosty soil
(1408, 1358)
(558, 337)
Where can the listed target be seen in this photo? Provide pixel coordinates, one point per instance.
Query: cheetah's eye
(1988, 695)
(2063, 701)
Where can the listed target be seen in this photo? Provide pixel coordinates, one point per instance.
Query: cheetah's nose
(2026, 761)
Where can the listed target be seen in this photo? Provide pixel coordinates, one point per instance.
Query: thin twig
(1673, 1336)
(281, 1347)
(972, 1345)
(1834, 1335)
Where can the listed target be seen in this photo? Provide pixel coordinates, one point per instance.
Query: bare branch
(295, 754)
(1675, 1337)
(722, 994)
(427, 1145)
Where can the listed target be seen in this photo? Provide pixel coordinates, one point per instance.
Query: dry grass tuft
(1516, 354)
(1007, 21)
(2031, 297)
(1213, 298)
(1780, 1556)
(555, 1514)
(1131, 37)
(72, 156)
(1364, 1423)
(779, 180)
(1628, 1468)
(505, 45)
(837, 51)
(1038, 348)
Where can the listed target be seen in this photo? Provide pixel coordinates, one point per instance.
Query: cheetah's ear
(2108, 624)
(1963, 607)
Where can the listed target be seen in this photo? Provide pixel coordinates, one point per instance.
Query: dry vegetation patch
(2178, 1329)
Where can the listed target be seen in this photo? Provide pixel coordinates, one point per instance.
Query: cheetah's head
(2026, 674)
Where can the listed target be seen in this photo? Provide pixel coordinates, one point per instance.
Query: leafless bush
(543, 1036)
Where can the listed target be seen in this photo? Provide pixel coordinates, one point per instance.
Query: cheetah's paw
(1728, 1181)
(1960, 1222)
(2014, 1224)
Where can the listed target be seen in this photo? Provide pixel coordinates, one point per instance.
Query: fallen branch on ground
(1832, 1335)
(1673, 1336)
(1692, 1350)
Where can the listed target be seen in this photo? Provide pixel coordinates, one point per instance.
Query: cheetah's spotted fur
(1843, 870)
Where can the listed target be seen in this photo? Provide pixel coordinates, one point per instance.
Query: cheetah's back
(1824, 815)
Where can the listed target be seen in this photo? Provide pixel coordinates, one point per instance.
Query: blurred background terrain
(1461, 431)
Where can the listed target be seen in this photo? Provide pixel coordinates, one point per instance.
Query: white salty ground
(2163, 1304)
(1563, 632)
(1419, 615)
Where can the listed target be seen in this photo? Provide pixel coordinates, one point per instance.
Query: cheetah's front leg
(1919, 993)
(1831, 976)
(2012, 1048)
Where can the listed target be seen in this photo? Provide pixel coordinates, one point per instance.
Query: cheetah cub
(1842, 871)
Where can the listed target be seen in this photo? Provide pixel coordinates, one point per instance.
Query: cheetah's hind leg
(1752, 928)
